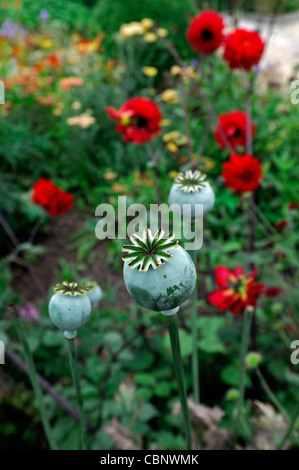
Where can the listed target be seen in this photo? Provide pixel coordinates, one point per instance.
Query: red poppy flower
(243, 49)
(236, 289)
(272, 291)
(205, 32)
(138, 119)
(293, 206)
(281, 224)
(53, 199)
(234, 126)
(242, 173)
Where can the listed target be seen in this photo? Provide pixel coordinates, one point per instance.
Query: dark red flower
(293, 206)
(281, 224)
(53, 199)
(138, 119)
(242, 173)
(234, 126)
(205, 32)
(237, 290)
(243, 49)
(272, 291)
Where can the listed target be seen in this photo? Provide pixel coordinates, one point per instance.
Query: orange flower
(68, 82)
(87, 46)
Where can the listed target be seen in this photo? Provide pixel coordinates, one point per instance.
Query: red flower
(234, 126)
(236, 289)
(138, 119)
(293, 206)
(272, 291)
(242, 173)
(53, 199)
(243, 49)
(205, 32)
(281, 224)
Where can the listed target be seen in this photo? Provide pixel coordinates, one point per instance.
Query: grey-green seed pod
(69, 307)
(163, 281)
(192, 188)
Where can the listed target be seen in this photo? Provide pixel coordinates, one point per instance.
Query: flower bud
(70, 307)
(192, 188)
(253, 360)
(163, 281)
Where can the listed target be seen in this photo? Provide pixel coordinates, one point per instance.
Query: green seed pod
(95, 292)
(69, 307)
(192, 188)
(163, 281)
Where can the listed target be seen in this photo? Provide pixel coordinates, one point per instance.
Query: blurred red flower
(205, 32)
(272, 291)
(243, 49)
(234, 126)
(138, 119)
(237, 290)
(53, 199)
(242, 173)
(281, 224)
(293, 205)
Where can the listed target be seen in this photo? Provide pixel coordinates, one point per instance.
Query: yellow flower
(83, 120)
(173, 174)
(171, 136)
(150, 37)
(172, 147)
(47, 43)
(150, 71)
(176, 70)
(147, 23)
(128, 30)
(162, 32)
(76, 105)
(170, 96)
(165, 122)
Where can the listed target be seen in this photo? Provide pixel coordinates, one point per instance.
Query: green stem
(75, 377)
(271, 395)
(195, 362)
(33, 379)
(290, 429)
(244, 348)
(172, 322)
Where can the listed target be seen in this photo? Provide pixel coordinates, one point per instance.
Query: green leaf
(53, 339)
(147, 412)
(144, 379)
(230, 375)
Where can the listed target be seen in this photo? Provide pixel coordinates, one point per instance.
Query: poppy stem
(247, 319)
(195, 362)
(22, 334)
(289, 429)
(172, 322)
(75, 377)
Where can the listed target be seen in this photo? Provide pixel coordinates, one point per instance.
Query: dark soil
(55, 236)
